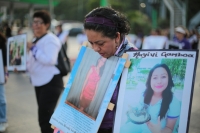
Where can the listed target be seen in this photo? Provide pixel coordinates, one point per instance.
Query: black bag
(63, 62)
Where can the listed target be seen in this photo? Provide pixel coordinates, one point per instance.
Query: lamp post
(51, 9)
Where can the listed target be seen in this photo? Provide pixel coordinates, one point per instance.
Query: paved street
(22, 108)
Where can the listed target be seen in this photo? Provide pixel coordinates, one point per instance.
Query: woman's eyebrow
(99, 41)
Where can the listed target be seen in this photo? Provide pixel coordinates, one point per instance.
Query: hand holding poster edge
(191, 61)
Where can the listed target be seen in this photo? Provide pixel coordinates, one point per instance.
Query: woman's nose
(96, 47)
(159, 80)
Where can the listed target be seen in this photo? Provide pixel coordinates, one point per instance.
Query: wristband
(34, 50)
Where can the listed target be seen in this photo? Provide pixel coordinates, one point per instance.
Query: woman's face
(159, 80)
(179, 35)
(39, 27)
(101, 62)
(105, 46)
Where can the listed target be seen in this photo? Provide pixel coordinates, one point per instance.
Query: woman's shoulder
(132, 47)
(50, 37)
(175, 101)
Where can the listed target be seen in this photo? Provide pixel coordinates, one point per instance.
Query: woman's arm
(6, 74)
(169, 126)
(156, 128)
(48, 54)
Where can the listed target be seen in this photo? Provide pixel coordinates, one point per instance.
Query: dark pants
(105, 130)
(47, 97)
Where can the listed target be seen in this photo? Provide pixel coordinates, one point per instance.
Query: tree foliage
(176, 66)
(134, 63)
(77, 9)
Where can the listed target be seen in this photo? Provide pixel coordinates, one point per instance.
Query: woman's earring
(117, 47)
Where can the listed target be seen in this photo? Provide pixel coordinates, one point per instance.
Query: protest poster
(156, 92)
(16, 52)
(173, 45)
(2, 78)
(88, 92)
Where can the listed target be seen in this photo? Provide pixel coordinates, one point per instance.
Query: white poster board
(156, 92)
(2, 77)
(16, 52)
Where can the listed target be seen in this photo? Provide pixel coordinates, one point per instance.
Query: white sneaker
(3, 126)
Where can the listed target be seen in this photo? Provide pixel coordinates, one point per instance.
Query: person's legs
(47, 100)
(3, 119)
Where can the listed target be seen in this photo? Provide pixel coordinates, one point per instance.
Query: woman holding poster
(91, 83)
(106, 29)
(163, 108)
(41, 65)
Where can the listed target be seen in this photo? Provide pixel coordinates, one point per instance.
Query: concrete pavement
(22, 106)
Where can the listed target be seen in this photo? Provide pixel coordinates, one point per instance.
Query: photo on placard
(16, 52)
(88, 92)
(92, 78)
(154, 87)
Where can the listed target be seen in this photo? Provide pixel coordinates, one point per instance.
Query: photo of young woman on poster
(161, 105)
(91, 84)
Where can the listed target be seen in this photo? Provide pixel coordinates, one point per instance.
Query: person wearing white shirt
(44, 75)
(62, 35)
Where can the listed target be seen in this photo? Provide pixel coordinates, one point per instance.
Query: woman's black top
(3, 49)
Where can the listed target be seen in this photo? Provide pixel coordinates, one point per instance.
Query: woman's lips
(159, 86)
(101, 54)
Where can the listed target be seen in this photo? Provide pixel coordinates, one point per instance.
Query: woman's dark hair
(102, 67)
(166, 94)
(44, 15)
(121, 23)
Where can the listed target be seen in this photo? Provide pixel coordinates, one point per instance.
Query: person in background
(81, 38)
(44, 75)
(193, 39)
(3, 115)
(181, 37)
(7, 30)
(155, 32)
(20, 31)
(108, 39)
(62, 35)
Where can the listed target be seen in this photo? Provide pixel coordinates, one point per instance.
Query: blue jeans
(2, 104)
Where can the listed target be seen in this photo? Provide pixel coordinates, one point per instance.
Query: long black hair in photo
(102, 67)
(166, 94)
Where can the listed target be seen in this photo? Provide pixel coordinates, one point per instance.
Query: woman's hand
(29, 45)
(6, 78)
(155, 128)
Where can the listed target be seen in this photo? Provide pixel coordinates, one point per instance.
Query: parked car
(73, 27)
(75, 31)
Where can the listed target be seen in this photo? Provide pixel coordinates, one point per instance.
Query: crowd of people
(108, 39)
(188, 39)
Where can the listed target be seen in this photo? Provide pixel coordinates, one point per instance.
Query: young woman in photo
(91, 83)
(164, 107)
